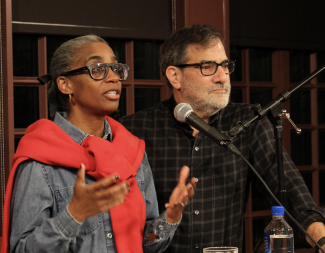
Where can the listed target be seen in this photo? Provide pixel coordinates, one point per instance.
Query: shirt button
(109, 235)
(197, 212)
(197, 246)
(197, 148)
(161, 227)
(196, 179)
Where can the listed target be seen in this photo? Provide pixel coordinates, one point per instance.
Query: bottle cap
(277, 210)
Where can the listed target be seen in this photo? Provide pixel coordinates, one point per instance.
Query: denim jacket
(41, 222)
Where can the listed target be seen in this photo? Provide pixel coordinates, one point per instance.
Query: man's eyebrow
(214, 61)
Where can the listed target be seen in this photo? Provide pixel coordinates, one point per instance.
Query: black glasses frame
(200, 65)
(108, 65)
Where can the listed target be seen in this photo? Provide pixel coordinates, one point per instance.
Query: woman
(82, 183)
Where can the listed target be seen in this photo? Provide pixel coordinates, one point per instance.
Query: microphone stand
(277, 115)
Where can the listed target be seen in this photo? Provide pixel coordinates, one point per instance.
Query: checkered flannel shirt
(215, 215)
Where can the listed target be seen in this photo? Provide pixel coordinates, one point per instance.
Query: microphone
(184, 113)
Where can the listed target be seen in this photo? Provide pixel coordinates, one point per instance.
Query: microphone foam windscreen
(182, 111)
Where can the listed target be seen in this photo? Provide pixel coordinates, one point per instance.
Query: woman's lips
(112, 95)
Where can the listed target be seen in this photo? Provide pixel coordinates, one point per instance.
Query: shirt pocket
(63, 197)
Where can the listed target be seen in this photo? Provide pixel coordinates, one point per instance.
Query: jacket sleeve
(32, 227)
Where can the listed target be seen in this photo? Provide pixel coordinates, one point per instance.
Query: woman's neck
(91, 125)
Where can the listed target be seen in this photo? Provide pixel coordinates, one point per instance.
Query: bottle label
(267, 246)
(281, 236)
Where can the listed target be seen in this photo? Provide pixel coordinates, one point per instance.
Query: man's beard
(206, 106)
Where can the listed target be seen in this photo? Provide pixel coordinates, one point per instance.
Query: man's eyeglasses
(99, 71)
(209, 68)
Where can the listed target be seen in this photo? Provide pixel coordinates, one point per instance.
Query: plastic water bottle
(278, 235)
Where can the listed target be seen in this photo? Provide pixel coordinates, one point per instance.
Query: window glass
(145, 98)
(17, 140)
(299, 62)
(307, 176)
(236, 95)
(25, 55)
(146, 60)
(321, 144)
(235, 55)
(321, 106)
(300, 107)
(301, 147)
(121, 110)
(26, 106)
(118, 47)
(261, 96)
(322, 187)
(260, 65)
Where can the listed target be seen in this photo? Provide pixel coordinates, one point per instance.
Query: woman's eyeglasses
(99, 71)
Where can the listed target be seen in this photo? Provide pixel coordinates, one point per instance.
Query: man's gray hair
(175, 47)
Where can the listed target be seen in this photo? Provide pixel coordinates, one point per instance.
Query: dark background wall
(120, 19)
(285, 24)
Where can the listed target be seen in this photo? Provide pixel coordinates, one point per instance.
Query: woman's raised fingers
(105, 182)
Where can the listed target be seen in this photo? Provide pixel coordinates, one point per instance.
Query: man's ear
(174, 76)
(64, 85)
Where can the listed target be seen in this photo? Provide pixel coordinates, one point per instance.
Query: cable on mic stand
(277, 116)
(184, 113)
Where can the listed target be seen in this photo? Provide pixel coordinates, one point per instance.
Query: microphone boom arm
(282, 97)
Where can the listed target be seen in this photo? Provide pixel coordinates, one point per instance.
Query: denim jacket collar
(75, 133)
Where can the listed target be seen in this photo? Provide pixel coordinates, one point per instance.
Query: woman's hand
(180, 196)
(92, 199)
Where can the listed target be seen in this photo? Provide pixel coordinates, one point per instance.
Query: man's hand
(317, 231)
(92, 199)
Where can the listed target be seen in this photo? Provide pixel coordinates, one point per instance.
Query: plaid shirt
(215, 215)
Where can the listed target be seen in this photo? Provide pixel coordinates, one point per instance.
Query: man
(195, 66)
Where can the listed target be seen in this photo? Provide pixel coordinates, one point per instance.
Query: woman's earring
(70, 96)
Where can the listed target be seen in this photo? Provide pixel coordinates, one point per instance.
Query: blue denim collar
(75, 133)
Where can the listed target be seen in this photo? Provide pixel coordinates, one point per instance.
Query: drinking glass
(220, 250)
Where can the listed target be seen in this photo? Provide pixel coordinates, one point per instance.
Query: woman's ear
(64, 85)
(174, 76)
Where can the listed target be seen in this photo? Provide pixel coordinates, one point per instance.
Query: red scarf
(47, 143)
